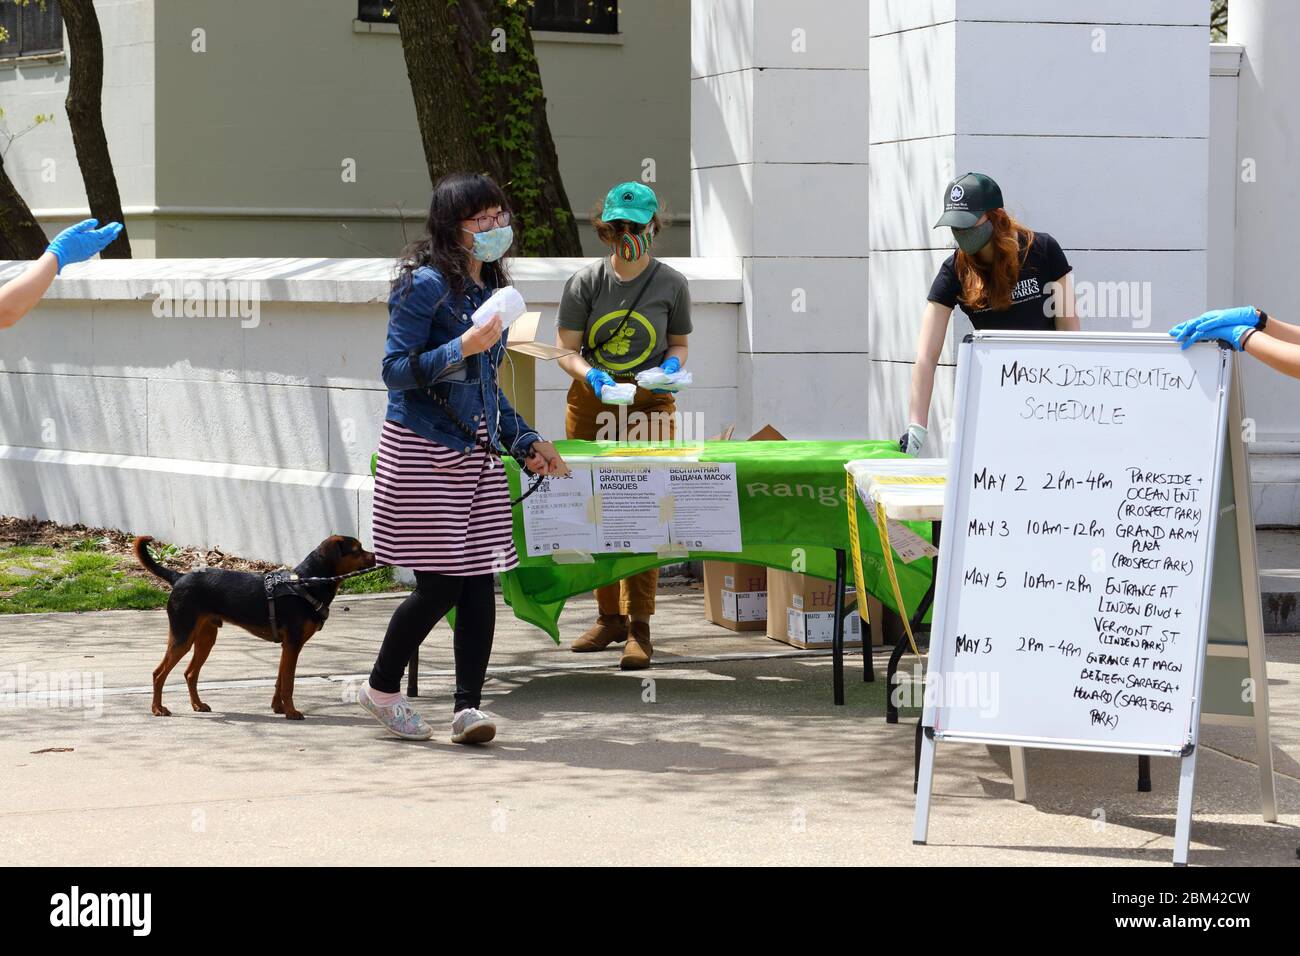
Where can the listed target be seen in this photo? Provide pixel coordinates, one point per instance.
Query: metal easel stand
(900, 645)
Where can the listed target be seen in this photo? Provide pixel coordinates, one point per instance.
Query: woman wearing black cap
(1003, 275)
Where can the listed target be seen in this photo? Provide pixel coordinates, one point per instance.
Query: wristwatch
(1263, 320)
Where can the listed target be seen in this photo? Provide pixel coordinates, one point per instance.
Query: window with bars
(567, 16)
(372, 11)
(575, 16)
(32, 28)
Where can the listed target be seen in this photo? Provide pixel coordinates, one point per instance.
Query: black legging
(435, 594)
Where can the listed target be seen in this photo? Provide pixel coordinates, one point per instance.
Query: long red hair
(988, 286)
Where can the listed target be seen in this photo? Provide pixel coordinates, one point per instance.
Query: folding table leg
(837, 627)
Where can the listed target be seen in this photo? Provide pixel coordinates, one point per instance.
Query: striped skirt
(437, 509)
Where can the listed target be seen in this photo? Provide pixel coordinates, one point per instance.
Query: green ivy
(512, 133)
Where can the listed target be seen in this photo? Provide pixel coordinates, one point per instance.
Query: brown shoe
(608, 629)
(637, 651)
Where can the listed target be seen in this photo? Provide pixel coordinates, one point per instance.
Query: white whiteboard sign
(1073, 579)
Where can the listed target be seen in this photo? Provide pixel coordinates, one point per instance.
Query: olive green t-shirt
(595, 300)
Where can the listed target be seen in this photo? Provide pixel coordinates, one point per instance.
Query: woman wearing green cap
(622, 314)
(1004, 275)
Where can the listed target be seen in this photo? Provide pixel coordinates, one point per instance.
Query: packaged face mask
(505, 300)
(658, 378)
(620, 393)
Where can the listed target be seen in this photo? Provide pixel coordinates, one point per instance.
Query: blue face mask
(491, 245)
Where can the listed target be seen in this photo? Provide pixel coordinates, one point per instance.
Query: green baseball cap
(633, 201)
(968, 197)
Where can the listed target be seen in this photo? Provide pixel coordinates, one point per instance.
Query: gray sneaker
(399, 717)
(472, 726)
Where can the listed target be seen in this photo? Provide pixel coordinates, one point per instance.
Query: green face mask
(973, 239)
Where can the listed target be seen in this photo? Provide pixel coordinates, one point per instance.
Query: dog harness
(287, 583)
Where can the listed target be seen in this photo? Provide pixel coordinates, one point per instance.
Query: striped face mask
(632, 246)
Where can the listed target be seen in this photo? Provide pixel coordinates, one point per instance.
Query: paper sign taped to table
(557, 515)
(660, 507)
(706, 511)
(907, 544)
(629, 518)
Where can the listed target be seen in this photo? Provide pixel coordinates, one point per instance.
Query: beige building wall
(613, 106)
(265, 111)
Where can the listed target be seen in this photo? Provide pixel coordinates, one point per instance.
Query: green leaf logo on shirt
(614, 353)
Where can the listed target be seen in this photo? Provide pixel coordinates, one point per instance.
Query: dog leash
(495, 453)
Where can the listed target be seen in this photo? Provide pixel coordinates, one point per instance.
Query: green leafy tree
(84, 105)
(21, 236)
(479, 104)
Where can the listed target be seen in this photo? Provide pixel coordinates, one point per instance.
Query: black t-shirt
(1045, 263)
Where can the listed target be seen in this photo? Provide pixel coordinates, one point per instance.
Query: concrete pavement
(736, 760)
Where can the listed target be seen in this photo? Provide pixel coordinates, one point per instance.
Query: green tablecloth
(792, 516)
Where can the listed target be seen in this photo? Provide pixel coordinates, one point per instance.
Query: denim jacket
(418, 321)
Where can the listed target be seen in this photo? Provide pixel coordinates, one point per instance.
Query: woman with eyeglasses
(1004, 275)
(622, 314)
(442, 504)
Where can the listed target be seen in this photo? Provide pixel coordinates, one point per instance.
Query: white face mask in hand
(620, 393)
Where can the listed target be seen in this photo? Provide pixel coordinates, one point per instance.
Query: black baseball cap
(967, 198)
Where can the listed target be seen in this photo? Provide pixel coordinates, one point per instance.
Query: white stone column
(779, 178)
(1092, 115)
(1268, 213)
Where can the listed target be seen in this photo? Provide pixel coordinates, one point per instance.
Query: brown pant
(650, 417)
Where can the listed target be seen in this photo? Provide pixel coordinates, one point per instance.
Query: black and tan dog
(201, 601)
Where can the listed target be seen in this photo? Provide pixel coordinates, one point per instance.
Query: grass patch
(48, 567)
(35, 578)
(376, 582)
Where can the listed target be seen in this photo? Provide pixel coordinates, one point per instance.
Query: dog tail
(141, 549)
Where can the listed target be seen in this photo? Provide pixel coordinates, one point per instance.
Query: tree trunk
(21, 236)
(86, 120)
(479, 103)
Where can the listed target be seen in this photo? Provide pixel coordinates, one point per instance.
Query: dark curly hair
(456, 197)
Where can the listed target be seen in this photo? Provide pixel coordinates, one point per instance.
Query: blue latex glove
(1231, 335)
(671, 364)
(598, 378)
(1215, 319)
(82, 241)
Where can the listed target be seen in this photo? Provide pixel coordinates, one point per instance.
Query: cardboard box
(735, 595)
(523, 339)
(801, 612)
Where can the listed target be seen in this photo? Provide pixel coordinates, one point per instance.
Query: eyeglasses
(487, 222)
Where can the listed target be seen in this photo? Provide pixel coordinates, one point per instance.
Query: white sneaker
(399, 717)
(472, 726)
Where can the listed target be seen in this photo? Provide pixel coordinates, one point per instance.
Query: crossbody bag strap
(589, 353)
(425, 386)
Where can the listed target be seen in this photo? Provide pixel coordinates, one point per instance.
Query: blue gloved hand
(1234, 335)
(82, 241)
(671, 364)
(1215, 319)
(598, 378)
